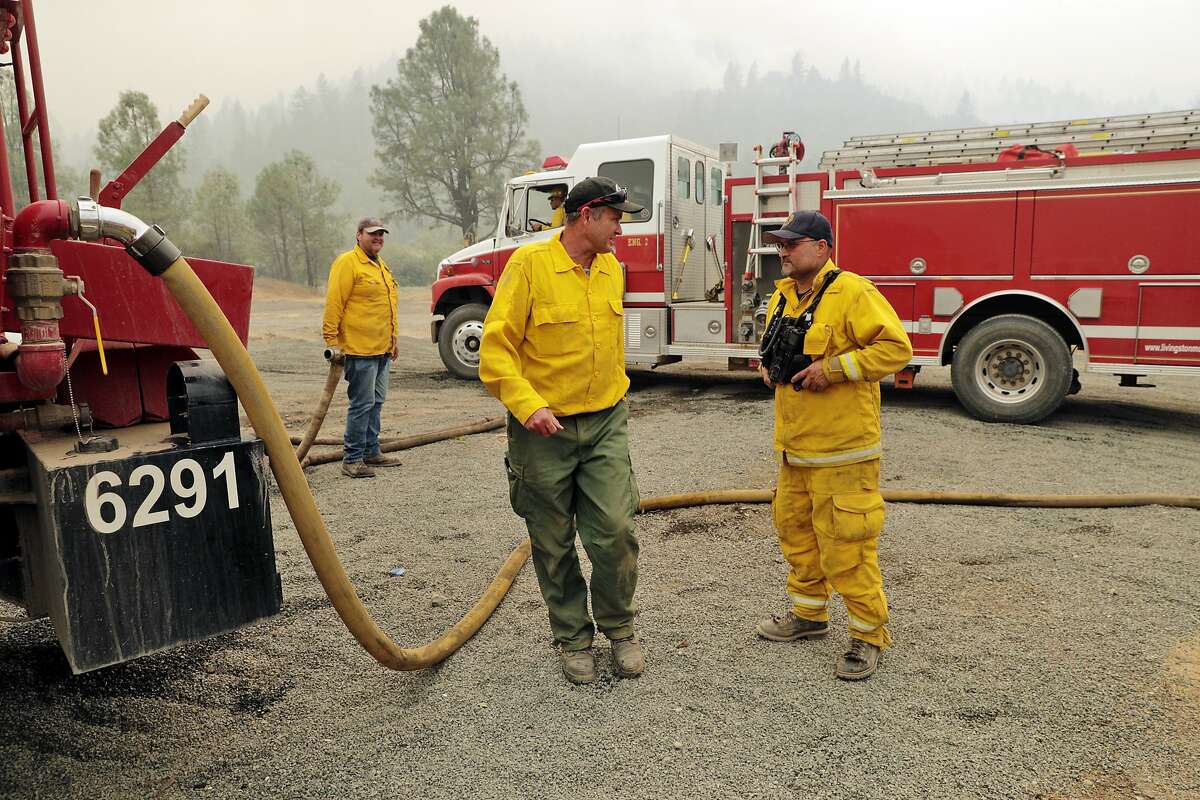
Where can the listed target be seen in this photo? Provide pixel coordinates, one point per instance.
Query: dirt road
(1038, 653)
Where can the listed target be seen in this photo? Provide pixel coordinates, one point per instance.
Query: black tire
(1011, 368)
(459, 339)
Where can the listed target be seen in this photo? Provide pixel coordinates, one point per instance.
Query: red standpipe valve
(36, 288)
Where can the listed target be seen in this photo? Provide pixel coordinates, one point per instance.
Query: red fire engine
(1018, 255)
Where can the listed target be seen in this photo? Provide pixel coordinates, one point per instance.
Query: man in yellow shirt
(553, 353)
(558, 216)
(828, 509)
(360, 321)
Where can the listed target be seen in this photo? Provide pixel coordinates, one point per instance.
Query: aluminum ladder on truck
(1172, 130)
(763, 192)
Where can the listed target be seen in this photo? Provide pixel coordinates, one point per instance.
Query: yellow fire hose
(199, 306)
(209, 320)
(336, 367)
(417, 440)
(750, 496)
(938, 498)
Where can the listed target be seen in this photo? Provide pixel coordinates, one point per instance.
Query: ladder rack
(1172, 130)
(762, 194)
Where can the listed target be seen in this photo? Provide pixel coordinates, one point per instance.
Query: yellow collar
(363, 258)
(563, 262)
(789, 288)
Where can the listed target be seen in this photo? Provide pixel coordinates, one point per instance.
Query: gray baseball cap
(371, 225)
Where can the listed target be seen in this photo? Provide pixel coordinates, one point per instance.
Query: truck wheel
(1011, 368)
(459, 339)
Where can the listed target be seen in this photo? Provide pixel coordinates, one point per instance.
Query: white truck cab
(671, 251)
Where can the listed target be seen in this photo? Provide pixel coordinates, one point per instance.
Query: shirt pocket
(556, 328)
(614, 325)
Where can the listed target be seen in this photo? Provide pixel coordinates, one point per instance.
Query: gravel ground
(1039, 653)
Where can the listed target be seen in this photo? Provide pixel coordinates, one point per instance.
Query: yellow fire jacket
(360, 306)
(857, 333)
(554, 337)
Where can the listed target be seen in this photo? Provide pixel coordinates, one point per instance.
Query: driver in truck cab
(557, 196)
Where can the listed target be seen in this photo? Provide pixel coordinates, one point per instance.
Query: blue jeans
(368, 379)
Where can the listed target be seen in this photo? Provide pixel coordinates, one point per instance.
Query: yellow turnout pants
(829, 520)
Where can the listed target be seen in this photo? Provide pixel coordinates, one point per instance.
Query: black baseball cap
(595, 192)
(802, 225)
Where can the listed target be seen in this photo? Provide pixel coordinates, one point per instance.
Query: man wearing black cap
(360, 321)
(828, 509)
(553, 353)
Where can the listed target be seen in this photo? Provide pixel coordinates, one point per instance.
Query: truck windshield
(515, 222)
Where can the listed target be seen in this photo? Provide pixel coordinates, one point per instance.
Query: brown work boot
(628, 661)
(858, 662)
(788, 628)
(381, 460)
(357, 469)
(579, 666)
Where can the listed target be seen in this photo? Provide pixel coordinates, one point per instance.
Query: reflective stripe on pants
(829, 520)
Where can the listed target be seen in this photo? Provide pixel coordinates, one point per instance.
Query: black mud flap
(149, 546)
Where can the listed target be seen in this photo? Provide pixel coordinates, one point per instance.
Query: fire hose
(750, 496)
(151, 248)
(225, 346)
(208, 318)
(747, 496)
(408, 442)
(336, 367)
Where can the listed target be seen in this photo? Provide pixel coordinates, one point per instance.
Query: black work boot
(788, 628)
(859, 662)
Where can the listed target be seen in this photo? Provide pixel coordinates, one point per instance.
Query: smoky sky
(1124, 58)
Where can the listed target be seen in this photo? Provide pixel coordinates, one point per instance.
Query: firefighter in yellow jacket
(828, 509)
(553, 353)
(360, 321)
(558, 212)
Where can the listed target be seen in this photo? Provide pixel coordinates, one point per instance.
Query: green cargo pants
(579, 479)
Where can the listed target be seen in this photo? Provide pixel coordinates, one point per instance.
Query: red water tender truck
(1018, 255)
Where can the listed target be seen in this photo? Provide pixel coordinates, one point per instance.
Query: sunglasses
(618, 195)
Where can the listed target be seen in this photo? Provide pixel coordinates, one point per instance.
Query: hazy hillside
(330, 120)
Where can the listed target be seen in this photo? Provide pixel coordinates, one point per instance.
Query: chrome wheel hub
(465, 344)
(1010, 371)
